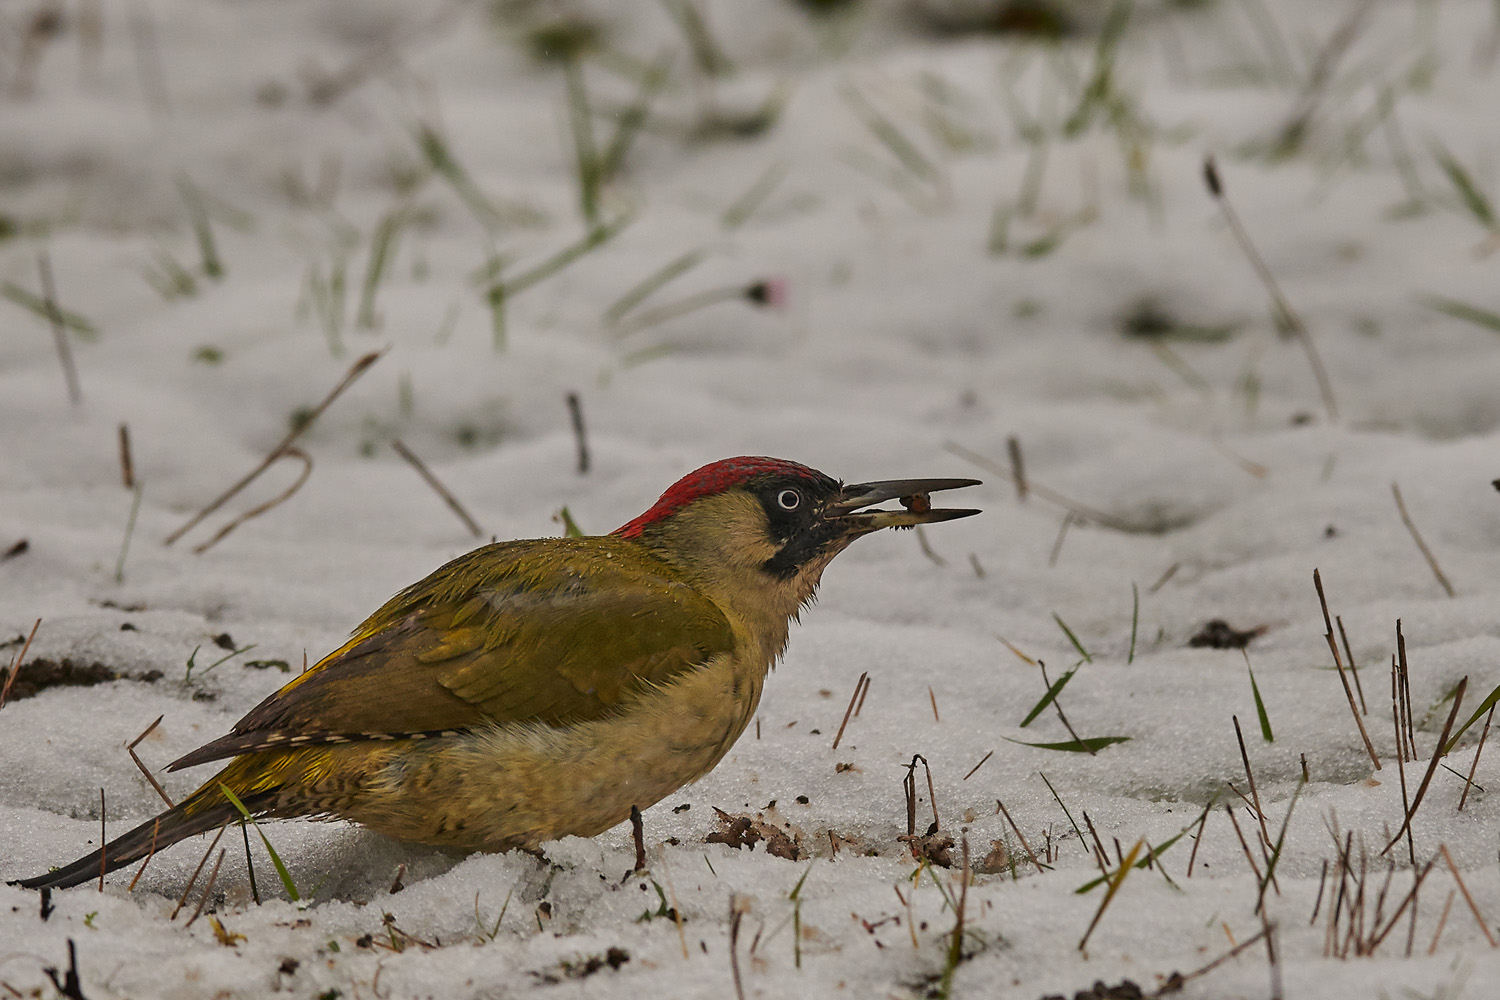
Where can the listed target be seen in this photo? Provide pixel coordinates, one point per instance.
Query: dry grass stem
(130, 749)
(1353, 667)
(979, 765)
(59, 329)
(15, 665)
(1416, 536)
(1442, 922)
(355, 371)
(1062, 533)
(927, 549)
(736, 914)
(859, 688)
(1197, 839)
(1484, 735)
(1437, 755)
(1161, 581)
(437, 487)
(1411, 847)
(1082, 512)
(208, 887)
(580, 435)
(1019, 836)
(1338, 663)
(259, 509)
(1473, 908)
(127, 466)
(1114, 884)
(638, 835)
(1244, 844)
(103, 840)
(933, 698)
(192, 879)
(1017, 466)
(150, 853)
(1286, 314)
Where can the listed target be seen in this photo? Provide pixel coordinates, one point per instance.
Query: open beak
(914, 494)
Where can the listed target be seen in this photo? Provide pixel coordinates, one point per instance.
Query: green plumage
(546, 630)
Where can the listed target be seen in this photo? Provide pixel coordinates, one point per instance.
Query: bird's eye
(789, 499)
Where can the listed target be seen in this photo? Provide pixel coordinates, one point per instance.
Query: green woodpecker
(529, 690)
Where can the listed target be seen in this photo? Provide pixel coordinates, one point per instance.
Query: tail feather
(204, 810)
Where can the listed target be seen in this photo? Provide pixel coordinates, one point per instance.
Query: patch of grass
(281, 870)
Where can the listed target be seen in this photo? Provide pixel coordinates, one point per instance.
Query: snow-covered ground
(965, 236)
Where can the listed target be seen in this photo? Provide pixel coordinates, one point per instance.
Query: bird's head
(776, 524)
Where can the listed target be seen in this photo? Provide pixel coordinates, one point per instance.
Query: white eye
(789, 499)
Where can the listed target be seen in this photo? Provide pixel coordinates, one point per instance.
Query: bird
(532, 689)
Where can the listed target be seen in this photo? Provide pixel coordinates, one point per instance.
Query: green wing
(547, 630)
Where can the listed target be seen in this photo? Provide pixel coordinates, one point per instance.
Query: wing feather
(546, 630)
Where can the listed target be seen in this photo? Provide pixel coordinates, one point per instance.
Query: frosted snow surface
(962, 246)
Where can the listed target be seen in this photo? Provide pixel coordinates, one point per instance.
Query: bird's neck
(720, 545)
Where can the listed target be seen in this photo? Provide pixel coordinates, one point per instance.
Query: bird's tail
(204, 810)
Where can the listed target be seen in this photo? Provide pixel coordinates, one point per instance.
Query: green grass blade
(1260, 707)
(1464, 311)
(1048, 698)
(1063, 806)
(1484, 706)
(1463, 184)
(1088, 744)
(281, 872)
(1072, 638)
(26, 300)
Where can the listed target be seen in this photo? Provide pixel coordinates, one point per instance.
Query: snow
(909, 342)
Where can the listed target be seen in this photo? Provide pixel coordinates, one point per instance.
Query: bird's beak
(914, 495)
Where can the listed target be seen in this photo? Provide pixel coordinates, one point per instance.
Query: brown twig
(859, 686)
(1417, 537)
(1338, 663)
(355, 371)
(130, 749)
(933, 698)
(437, 487)
(59, 329)
(1437, 755)
(15, 665)
(1019, 835)
(1478, 919)
(1287, 314)
(1318, 903)
(127, 466)
(1374, 940)
(1469, 781)
(259, 509)
(575, 416)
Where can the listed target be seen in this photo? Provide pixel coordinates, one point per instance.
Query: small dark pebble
(682, 808)
(223, 641)
(802, 800)
(127, 627)
(1219, 634)
(1123, 990)
(18, 549)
